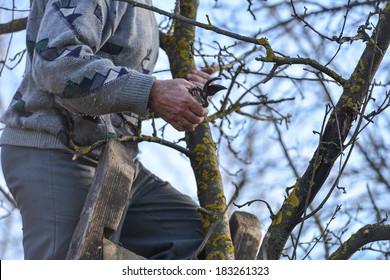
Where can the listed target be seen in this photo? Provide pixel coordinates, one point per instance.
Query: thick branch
(331, 146)
(203, 157)
(365, 235)
(279, 60)
(13, 26)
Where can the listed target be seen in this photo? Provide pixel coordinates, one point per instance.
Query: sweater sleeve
(66, 64)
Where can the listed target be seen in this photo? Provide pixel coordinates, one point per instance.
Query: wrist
(152, 96)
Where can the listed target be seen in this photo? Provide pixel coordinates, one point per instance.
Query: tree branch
(262, 41)
(204, 161)
(271, 57)
(365, 235)
(329, 149)
(190, 21)
(13, 26)
(8, 197)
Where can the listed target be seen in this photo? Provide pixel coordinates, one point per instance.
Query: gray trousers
(50, 189)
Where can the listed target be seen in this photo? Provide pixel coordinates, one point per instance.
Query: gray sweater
(87, 74)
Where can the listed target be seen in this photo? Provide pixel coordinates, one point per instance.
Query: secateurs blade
(202, 94)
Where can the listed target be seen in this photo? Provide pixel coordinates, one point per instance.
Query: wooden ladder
(105, 204)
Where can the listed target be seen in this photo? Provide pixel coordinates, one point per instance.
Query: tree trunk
(200, 143)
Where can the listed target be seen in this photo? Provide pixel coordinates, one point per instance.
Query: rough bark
(365, 235)
(178, 47)
(13, 26)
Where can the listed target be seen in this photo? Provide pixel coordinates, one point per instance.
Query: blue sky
(174, 167)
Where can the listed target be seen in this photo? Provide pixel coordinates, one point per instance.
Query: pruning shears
(202, 94)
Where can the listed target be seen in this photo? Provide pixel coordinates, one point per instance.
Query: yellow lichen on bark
(270, 55)
(201, 146)
(263, 41)
(293, 199)
(292, 202)
(189, 9)
(206, 221)
(278, 219)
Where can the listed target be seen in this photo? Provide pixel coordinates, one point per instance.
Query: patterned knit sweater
(87, 73)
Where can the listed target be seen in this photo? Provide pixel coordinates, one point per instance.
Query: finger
(184, 127)
(187, 125)
(197, 109)
(191, 119)
(202, 74)
(194, 79)
(187, 117)
(178, 127)
(198, 77)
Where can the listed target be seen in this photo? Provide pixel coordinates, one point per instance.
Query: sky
(168, 164)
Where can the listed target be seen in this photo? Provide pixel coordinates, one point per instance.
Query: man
(88, 76)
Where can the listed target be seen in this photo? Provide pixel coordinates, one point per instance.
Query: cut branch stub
(246, 233)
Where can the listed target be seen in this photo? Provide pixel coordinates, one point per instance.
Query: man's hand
(200, 77)
(170, 100)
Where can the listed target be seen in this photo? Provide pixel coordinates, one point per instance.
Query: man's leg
(49, 189)
(160, 222)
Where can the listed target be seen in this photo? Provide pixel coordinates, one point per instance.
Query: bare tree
(300, 133)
